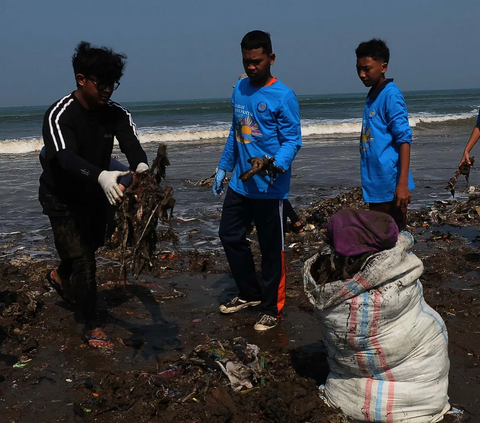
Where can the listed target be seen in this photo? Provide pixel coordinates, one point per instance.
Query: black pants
(77, 238)
(237, 215)
(290, 212)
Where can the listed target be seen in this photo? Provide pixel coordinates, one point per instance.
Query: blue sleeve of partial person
(478, 117)
(229, 155)
(397, 120)
(289, 133)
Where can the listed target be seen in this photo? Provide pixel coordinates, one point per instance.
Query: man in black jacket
(76, 185)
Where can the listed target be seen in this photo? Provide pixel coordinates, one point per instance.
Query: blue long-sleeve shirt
(385, 128)
(266, 122)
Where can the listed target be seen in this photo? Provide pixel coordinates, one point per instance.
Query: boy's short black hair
(257, 39)
(100, 62)
(375, 48)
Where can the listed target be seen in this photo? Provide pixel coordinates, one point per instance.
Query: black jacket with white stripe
(78, 147)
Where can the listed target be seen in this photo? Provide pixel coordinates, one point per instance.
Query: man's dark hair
(100, 62)
(375, 48)
(257, 39)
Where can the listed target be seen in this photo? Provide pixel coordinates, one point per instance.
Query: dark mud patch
(156, 325)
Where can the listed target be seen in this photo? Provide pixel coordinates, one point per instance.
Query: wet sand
(162, 320)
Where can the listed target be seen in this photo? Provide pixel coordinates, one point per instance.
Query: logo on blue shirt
(372, 114)
(261, 107)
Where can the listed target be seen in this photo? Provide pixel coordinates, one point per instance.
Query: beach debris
(243, 372)
(464, 169)
(446, 236)
(320, 212)
(238, 374)
(143, 204)
(21, 306)
(170, 373)
(262, 166)
(207, 182)
(20, 365)
(160, 163)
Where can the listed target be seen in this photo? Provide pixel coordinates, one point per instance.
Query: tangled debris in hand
(262, 167)
(136, 218)
(464, 169)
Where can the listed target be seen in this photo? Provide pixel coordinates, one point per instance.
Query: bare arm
(470, 144)
(402, 194)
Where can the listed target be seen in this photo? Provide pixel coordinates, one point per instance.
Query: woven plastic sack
(387, 348)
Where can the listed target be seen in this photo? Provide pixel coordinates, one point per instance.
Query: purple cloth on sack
(354, 232)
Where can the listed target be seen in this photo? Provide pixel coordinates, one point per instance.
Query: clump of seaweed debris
(143, 204)
(464, 169)
(207, 182)
(330, 266)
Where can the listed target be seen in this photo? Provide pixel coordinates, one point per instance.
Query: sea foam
(188, 135)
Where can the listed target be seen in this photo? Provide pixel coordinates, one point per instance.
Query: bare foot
(98, 339)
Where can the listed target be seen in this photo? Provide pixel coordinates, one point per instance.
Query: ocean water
(195, 132)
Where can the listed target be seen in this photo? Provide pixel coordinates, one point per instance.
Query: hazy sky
(183, 49)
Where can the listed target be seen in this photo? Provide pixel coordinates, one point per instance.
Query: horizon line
(198, 99)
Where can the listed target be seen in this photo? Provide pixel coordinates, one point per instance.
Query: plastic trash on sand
(242, 375)
(238, 374)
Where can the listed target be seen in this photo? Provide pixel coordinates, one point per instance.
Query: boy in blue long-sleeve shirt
(266, 122)
(386, 136)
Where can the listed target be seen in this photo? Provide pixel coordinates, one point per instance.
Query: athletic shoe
(265, 323)
(237, 304)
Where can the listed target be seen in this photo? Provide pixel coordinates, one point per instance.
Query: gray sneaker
(265, 323)
(237, 304)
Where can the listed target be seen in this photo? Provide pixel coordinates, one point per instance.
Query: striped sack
(387, 348)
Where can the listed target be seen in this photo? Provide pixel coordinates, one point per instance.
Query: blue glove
(218, 182)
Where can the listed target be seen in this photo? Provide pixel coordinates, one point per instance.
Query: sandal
(57, 287)
(105, 339)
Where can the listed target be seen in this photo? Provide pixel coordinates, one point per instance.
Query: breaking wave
(187, 135)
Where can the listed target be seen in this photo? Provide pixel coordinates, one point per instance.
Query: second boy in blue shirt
(386, 136)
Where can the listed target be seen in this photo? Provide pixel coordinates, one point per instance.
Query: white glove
(108, 181)
(142, 167)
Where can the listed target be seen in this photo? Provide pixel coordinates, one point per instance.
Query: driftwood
(261, 167)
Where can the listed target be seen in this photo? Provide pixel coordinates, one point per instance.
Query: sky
(189, 49)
